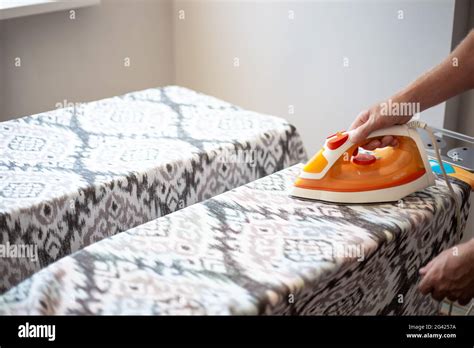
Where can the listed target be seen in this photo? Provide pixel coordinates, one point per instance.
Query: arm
(446, 79)
(452, 76)
(450, 274)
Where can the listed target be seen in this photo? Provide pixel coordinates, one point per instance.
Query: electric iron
(339, 173)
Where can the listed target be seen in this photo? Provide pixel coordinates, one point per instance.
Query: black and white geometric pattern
(73, 176)
(256, 250)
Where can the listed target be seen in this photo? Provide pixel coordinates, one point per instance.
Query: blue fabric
(435, 167)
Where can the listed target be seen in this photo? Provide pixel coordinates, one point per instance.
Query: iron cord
(423, 125)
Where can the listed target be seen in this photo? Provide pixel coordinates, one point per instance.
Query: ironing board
(256, 250)
(71, 177)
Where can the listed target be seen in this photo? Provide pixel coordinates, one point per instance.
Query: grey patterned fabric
(256, 250)
(71, 177)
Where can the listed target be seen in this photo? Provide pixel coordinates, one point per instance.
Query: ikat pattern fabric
(256, 250)
(73, 176)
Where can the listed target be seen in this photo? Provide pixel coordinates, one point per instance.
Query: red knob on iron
(364, 159)
(337, 140)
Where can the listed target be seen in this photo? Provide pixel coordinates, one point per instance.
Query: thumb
(359, 134)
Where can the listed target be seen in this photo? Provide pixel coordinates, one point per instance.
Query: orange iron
(340, 173)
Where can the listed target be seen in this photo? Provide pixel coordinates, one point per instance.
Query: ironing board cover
(73, 176)
(256, 250)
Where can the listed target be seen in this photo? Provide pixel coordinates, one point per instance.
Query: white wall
(83, 59)
(300, 62)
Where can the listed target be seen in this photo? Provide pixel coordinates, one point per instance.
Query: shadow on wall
(106, 50)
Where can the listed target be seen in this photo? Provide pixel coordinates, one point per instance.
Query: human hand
(450, 274)
(371, 120)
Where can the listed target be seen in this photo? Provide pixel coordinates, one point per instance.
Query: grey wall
(464, 116)
(83, 59)
(299, 62)
(465, 121)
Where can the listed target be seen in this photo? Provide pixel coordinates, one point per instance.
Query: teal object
(437, 169)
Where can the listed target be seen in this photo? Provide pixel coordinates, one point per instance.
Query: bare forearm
(452, 76)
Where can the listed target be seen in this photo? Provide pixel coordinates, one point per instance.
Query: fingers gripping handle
(398, 130)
